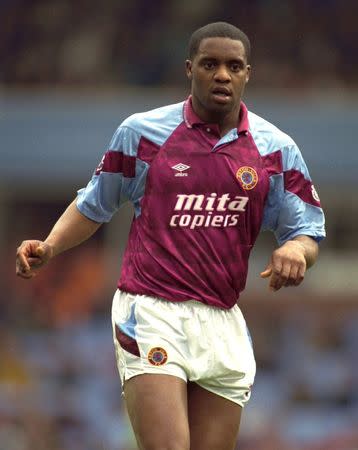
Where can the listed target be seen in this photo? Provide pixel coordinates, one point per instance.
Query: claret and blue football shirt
(200, 200)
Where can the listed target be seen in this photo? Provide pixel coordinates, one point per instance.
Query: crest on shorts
(157, 356)
(248, 177)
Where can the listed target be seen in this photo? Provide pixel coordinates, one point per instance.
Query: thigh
(214, 421)
(157, 408)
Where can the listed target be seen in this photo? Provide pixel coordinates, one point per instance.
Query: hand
(31, 256)
(287, 266)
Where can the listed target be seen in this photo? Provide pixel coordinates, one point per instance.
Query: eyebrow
(230, 61)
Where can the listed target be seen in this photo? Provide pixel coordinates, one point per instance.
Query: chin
(221, 108)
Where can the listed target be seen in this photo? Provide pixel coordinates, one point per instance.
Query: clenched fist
(31, 256)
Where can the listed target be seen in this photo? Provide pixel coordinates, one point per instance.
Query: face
(218, 75)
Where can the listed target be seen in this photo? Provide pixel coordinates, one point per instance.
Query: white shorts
(189, 340)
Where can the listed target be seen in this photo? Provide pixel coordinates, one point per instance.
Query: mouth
(221, 94)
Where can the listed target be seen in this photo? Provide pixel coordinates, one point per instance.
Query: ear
(248, 72)
(188, 69)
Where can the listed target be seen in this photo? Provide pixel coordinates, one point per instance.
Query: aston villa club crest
(157, 356)
(247, 177)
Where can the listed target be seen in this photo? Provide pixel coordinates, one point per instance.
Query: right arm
(116, 180)
(70, 230)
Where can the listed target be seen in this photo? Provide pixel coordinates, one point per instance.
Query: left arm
(293, 212)
(288, 263)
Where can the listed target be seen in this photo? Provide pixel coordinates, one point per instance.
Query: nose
(222, 74)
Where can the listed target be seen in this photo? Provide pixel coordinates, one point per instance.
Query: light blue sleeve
(120, 177)
(293, 207)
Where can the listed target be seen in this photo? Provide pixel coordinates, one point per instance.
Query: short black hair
(218, 29)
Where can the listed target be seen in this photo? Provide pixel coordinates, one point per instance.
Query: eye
(208, 65)
(235, 67)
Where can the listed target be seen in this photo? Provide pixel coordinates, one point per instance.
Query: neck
(227, 126)
(226, 121)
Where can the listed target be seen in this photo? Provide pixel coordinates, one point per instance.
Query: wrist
(299, 245)
(51, 248)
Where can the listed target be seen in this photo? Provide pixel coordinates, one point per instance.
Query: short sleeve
(293, 207)
(119, 177)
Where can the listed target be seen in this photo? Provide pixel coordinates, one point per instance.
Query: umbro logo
(181, 170)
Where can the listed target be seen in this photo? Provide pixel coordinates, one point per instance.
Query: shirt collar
(191, 118)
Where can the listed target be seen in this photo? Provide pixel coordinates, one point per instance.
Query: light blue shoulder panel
(107, 191)
(286, 214)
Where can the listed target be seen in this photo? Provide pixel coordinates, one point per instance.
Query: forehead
(221, 48)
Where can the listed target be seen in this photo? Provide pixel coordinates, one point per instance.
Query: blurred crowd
(298, 43)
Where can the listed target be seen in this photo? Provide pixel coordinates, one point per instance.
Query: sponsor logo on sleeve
(314, 194)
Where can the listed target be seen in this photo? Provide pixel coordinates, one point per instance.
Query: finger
(300, 274)
(44, 251)
(35, 262)
(21, 260)
(41, 251)
(281, 276)
(28, 276)
(267, 272)
(22, 266)
(24, 273)
(24, 251)
(275, 276)
(292, 278)
(27, 259)
(285, 274)
(28, 272)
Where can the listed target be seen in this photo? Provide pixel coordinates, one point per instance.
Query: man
(205, 176)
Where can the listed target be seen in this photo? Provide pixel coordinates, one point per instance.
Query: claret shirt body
(200, 200)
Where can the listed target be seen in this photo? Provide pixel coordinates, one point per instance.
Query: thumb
(267, 272)
(42, 251)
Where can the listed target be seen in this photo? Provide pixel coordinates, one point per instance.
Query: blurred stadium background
(70, 72)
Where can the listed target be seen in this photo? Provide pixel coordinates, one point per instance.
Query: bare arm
(288, 263)
(70, 230)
